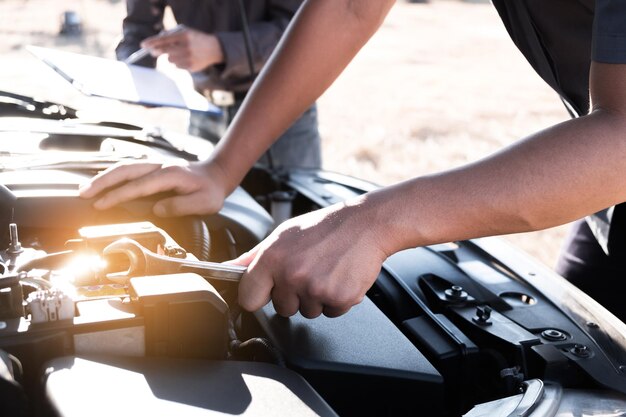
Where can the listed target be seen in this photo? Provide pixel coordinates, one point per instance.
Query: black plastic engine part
(359, 370)
(12, 398)
(184, 316)
(10, 298)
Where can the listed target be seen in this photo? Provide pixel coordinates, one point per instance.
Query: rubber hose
(200, 239)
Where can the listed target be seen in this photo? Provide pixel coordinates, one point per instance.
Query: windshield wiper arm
(12, 104)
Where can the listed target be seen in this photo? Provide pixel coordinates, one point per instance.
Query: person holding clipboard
(209, 43)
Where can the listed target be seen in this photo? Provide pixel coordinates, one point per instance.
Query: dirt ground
(439, 85)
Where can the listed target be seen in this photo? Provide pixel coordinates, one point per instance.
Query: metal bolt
(622, 369)
(13, 233)
(175, 251)
(553, 334)
(15, 246)
(483, 314)
(456, 293)
(592, 325)
(581, 351)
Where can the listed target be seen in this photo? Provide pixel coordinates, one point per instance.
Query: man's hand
(188, 49)
(200, 187)
(321, 262)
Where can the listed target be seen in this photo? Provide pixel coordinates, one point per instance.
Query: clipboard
(129, 83)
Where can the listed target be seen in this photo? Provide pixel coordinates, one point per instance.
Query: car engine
(119, 311)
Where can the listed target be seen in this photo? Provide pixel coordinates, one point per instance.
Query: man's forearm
(323, 38)
(553, 177)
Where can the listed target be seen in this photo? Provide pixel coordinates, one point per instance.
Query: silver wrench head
(136, 255)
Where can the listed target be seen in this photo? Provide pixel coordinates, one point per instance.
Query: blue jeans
(298, 147)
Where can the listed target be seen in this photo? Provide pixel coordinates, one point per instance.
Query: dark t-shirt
(609, 32)
(555, 37)
(560, 38)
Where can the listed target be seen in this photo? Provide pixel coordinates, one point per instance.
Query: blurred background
(441, 84)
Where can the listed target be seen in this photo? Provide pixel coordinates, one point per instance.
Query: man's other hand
(188, 49)
(199, 187)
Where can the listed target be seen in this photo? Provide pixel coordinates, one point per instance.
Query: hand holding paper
(187, 48)
(145, 51)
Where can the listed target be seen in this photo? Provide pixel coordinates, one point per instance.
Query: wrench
(145, 262)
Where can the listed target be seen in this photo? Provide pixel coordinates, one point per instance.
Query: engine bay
(140, 308)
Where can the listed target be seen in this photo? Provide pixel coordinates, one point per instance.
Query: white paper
(130, 83)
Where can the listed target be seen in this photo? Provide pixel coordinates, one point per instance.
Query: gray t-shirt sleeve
(609, 32)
